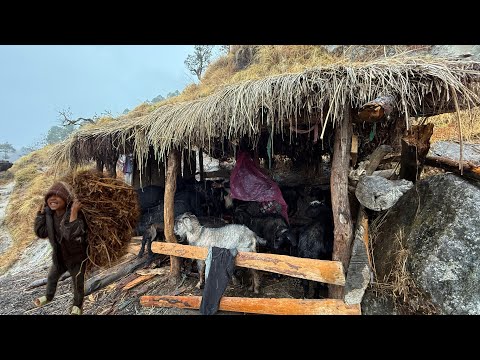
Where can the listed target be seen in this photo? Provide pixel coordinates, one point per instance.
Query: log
(354, 150)
(358, 275)
(415, 146)
(43, 281)
(470, 170)
(169, 215)
(376, 110)
(359, 269)
(100, 281)
(376, 158)
(141, 279)
(343, 231)
(330, 272)
(259, 305)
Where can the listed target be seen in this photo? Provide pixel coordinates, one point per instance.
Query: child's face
(55, 202)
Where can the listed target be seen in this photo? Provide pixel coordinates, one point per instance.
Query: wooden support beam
(415, 146)
(359, 269)
(169, 214)
(141, 279)
(343, 231)
(470, 170)
(267, 306)
(330, 272)
(354, 150)
(377, 109)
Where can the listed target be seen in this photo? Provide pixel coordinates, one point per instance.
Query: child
(59, 220)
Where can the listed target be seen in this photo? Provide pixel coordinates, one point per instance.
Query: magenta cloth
(248, 183)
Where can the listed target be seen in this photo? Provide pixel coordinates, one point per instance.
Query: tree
(58, 133)
(173, 93)
(65, 118)
(197, 62)
(6, 148)
(157, 99)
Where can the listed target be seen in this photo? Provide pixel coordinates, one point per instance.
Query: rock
(451, 150)
(437, 223)
(5, 165)
(377, 193)
(374, 305)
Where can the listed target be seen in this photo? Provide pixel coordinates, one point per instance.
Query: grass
(398, 285)
(32, 177)
(446, 126)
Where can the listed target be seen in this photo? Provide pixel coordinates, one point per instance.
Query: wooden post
(200, 163)
(415, 146)
(354, 150)
(168, 212)
(359, 270)
(343, 231)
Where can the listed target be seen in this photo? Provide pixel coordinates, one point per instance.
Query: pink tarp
(248, 183)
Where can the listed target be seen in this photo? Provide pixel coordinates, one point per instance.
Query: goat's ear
(188, 224)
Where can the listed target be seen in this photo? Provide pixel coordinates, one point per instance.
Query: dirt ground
(17, 299)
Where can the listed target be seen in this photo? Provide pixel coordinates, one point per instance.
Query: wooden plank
(267, 306)
(141, 279)
(354, 150)
(330, 272)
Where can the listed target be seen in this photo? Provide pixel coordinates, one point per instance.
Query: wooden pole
(343, 231)
(470, 170)
(359, 268)
(330, 272)
(267, 306)
(415, 146)
(169, 214)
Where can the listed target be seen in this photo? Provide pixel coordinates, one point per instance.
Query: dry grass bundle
(111, 210)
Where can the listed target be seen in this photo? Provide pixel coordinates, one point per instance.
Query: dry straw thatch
(419, 85)
(111, 210)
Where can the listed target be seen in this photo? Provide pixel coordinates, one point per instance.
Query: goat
(315, 240)
(229, 236)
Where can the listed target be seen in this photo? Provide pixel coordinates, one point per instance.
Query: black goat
(315, 240)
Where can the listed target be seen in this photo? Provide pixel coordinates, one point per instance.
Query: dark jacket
(70, 246)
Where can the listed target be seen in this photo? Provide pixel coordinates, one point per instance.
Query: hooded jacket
(70, 245)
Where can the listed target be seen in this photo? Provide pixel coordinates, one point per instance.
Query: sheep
(229, 236)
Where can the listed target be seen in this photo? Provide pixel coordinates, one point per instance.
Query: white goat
(229, 236)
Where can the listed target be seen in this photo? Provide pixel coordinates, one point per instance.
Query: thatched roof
(420, 86)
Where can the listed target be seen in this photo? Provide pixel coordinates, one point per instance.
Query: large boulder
(436, 226)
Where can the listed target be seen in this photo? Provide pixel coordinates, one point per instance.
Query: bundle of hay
(111, 210)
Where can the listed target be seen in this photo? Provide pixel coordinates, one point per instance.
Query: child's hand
(42, 208)
(77, 205)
